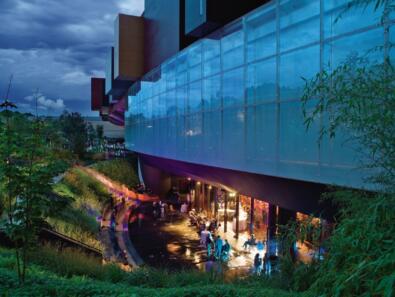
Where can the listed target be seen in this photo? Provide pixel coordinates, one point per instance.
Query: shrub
(121, 170)
(49, 276)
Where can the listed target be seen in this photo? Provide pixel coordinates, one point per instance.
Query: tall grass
(80, 199)
(70, 273)
(121, 170)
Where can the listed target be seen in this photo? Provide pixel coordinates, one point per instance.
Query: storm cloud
(54, 47)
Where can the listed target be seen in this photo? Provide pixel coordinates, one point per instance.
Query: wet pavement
(170, 244)
(174, 244)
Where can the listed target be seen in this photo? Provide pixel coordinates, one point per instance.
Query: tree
(92, 135)
(75, 131)
(359, 96)
(27, 167)
(100, 136)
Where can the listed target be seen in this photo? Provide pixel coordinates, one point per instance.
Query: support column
(209, 201)
(272, 222)
(252, 216)
(215, 203)
(203, 193)
(197, 196)
(226, 213)
(237, 215)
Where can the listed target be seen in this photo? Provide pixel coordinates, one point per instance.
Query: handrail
(75, 241)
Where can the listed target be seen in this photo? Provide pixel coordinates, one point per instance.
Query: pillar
(252, 216)
(197, 196)
(237, 215)
(214, 190)
(272, 222)
(226, 213)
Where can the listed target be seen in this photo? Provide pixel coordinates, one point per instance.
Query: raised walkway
(114, 234)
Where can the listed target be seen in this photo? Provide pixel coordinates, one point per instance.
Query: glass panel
(181, 94)
(297, 144)
(194, 136)
(212, 135)
(211, 49)
(261, 132)
(212, 66)
(181, 78)
(261, 82)
(296, 66)
(367, 45)
(148, 109)
(261, 34)
(181, 135)
(162, 105)
(155, 107)
(299, 23)
(232, 50)
(171, 103)
(233, 136)
(194, 55)
(338, 19)
(195, 73)
(195, 97)
(212, 93)
(233, 88)
(171, 140)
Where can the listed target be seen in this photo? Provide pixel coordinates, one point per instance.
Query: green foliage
(80, 198)
(71, 262)
(359, 97)
(90, 191)
(75, 132)
(361, 259)
(50, 279)
(121, 170)
(27, 167)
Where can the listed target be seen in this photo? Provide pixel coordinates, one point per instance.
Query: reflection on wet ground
(167, 244)
(174, 244)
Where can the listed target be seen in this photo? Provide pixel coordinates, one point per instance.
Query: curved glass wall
(232, 99)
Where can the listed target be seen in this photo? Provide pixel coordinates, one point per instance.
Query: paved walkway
(114, 233)
(176, 244)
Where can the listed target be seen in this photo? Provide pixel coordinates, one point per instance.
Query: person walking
(209, 245)
(225, 251)
(257, 264)
(266, 264)
(162, 210)
(218, 247)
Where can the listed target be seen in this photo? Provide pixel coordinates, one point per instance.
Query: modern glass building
(225, 108)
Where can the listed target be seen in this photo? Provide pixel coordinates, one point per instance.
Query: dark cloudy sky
(56, 46)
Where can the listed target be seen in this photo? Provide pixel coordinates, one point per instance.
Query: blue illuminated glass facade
(232, 99)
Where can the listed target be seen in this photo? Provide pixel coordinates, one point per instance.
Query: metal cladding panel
(195, 14)
(129, 47)
(115, 89)
(117, 112)
(97, 93)
(98, 96)
(109, 70)
(162, 31)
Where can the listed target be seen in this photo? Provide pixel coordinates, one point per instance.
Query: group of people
(261, 264)
(159, 209)
(217, 249)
